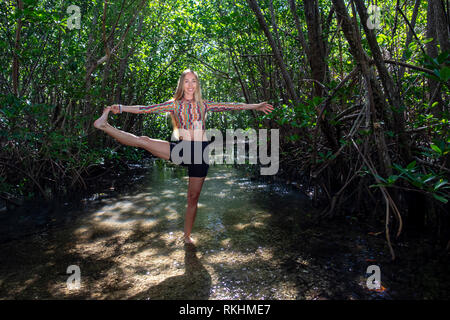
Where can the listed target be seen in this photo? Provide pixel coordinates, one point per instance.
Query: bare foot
(101, 122)
(188, 239)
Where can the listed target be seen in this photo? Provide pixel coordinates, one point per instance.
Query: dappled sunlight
(243, 226)
(201, 205)
(173, 216)
(222, 195)
(113, 219)
(230, 182)
(144, 197)
(223, 176)
(18, 288)
(228, 257)
(123, 205)
(130, 247)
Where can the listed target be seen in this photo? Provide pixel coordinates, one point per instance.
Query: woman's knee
(143, 142)
(193, 197)
(158, 148)
(146, 143)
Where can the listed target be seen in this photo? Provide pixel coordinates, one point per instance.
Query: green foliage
(432, 183)
(437, 149)
(323, 157)
(440, 67)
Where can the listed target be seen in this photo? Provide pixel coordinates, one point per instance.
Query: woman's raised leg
(158, 148)
(194, 189)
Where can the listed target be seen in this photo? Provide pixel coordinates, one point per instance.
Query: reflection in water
(251, 244)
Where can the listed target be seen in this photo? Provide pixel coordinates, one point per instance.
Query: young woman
(188, 111)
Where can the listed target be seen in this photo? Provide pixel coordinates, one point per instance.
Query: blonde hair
(179, 95)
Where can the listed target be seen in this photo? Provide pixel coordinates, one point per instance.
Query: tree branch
(407, 66)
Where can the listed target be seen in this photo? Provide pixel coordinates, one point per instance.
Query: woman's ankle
(188, 239)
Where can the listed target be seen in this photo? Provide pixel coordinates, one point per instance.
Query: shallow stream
(254, 240)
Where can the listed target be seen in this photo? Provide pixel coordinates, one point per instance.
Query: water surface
(254, 240)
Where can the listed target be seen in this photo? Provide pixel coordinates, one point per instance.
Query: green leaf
(440, 184)
(411, 165)
(442, 199)
(412, 46)
(445, 74)
(376, 185)
(436, 148)
(392, 179)
(437, 73)
(431, 177)
(431, 76)
(442, 57)
(380, 178)
(408, 54)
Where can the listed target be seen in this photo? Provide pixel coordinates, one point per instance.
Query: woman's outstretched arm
(227, 106)
(156, 108)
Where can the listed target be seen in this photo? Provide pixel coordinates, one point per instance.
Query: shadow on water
(254, 241)
(194, 284)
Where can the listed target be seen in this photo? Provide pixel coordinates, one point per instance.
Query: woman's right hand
(115, 108)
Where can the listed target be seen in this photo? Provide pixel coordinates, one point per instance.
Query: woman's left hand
(264, 107)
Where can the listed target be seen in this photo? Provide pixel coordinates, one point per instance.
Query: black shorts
(194, 169)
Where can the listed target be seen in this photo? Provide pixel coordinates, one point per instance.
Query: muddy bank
(253, 241)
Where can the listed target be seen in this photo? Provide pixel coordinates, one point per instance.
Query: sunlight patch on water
(119, 205)
(117, 216)
(144, 196)
(201, 205)
(114, 222)
(234, 258)
(243, 226)
(222, 195)
(173, 216)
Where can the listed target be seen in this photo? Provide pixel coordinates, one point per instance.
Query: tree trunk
(316, 58)
(301, 37)
(316, 47)
(105, 95)
(442, 25)
(432, 51)
(88, 79)
(236, 68)
(120, 76)
(389, 86)
(15, 65)
(275, 27)
(123, 64)
(409, 37)
(375, 95)
(276, 50)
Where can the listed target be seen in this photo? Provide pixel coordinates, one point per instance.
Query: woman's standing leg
(158, 148)
(194, 189)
